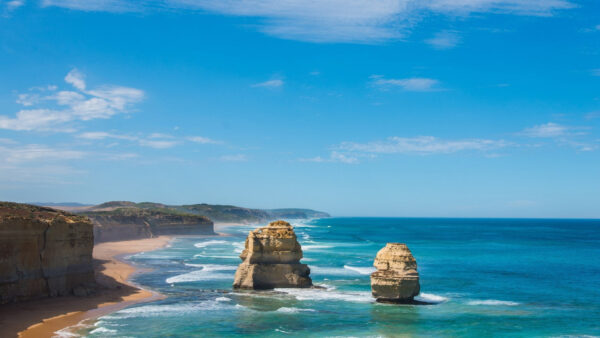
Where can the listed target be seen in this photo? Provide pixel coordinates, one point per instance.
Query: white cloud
(202, 140)
(10, 6)
(276, 83)
(69, 106)
(444, 40)
(334, 156)
(33, 152)
(361, 21)
(562, 135)
(100, 135)
(415, 84)
(422, 145)
(234, 158)
(75, 78)
(158, 144)
(353, 152)
(549, 129)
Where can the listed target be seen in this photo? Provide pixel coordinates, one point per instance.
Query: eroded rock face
(396, 279)
(271, 259)
(136, 223)
(43, 252)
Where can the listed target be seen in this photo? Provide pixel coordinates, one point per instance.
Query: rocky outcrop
(43, 252)
(271, 259)
(396, 279)
(136, 223)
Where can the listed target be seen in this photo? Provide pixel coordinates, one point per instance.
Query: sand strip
(41, 318)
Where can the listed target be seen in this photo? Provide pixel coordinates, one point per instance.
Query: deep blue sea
(488, 277)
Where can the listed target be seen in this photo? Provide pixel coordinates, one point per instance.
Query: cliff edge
(128, 223)
(43, 252)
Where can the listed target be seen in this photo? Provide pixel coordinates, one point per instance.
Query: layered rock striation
(137, 223)
(43, 252)
(396, 279)
(271, 259)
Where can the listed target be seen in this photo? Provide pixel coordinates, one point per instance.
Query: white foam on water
(293, 310)
(328, 295)
(169, 310)
(223, 299)
(103, 330)
(238, 246)
(70, 331)
(430, 298)
(212, 267)
(363, 270)
(492, 302)
(215, 256)
(208, 272)
(211, 242)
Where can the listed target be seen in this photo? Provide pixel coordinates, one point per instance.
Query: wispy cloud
(414, 84)
(34, 152)
(275, 83)
(153, 140)
(549, 129)
(444, 40)
(68, 106)
(202, 140)
(358, 21)
(423, 145)
(354, 152)
(334, 156)
(562, 135)
(158, 144)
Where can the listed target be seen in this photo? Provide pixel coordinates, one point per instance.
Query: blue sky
(451, 108)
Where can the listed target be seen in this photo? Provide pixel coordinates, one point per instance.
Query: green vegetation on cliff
(215, 212)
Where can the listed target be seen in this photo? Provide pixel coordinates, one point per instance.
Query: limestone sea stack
(271, 259)
(396, 279)
(44, 252)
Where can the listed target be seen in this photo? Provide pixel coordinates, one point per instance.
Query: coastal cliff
(396, 279)
(136, 223)
(216, 212)
(271, 259)
(43, 252)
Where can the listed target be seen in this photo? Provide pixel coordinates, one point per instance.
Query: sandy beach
(41, 318)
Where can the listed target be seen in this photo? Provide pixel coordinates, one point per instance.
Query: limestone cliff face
(271, 259)
(43, 252)
(135, 223)
(396, 278)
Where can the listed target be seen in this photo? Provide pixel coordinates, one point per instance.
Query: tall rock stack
(271, 259)
(396, 279)
(43, 252)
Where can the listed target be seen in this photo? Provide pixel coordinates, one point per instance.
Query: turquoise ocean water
(488, 277)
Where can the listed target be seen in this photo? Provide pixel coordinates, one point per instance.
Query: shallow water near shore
(486, 276)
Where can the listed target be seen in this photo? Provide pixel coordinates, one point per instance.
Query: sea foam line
(431, 298)
(493, 302)
(363, 270)
(211, 242)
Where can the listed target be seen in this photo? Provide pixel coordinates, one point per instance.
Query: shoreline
(43, 317)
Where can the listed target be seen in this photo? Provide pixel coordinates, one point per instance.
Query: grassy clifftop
(214, 212)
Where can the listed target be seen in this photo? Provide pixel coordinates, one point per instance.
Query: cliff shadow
(62, 311)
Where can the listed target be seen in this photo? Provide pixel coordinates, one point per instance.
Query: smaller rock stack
(271, 259)
(396, 279)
